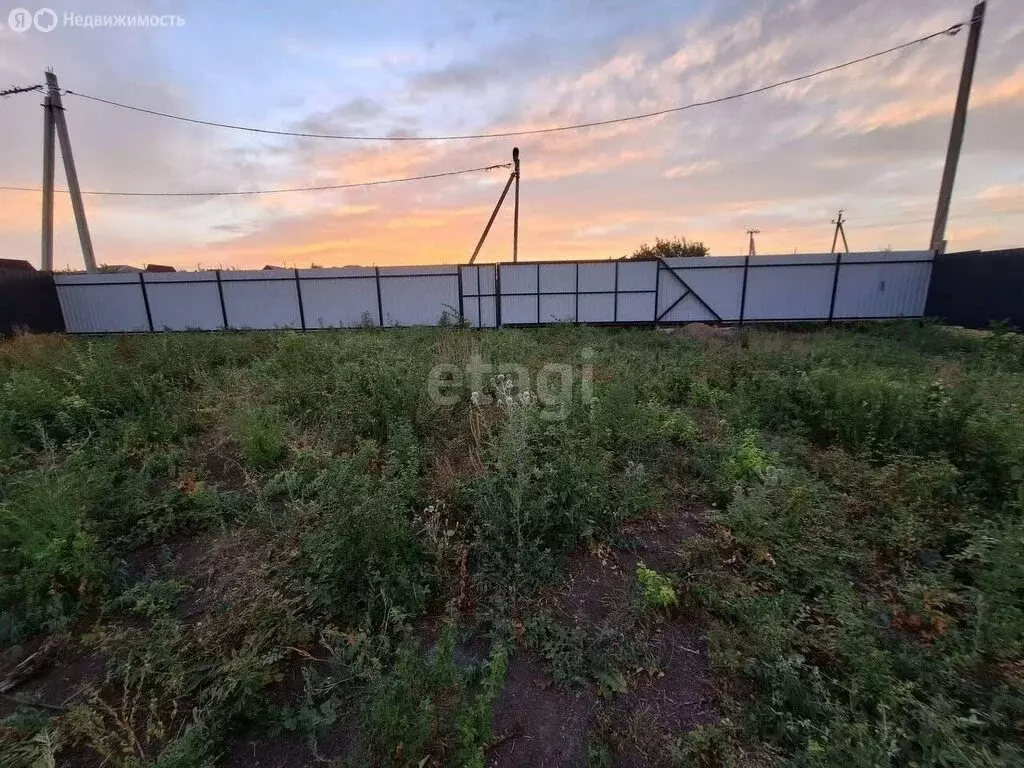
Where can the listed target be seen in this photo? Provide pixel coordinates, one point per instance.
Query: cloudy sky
(870, 139)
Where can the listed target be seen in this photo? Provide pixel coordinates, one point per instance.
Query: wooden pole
(515, 217)
(490, 221)
(956, 137)
(69, 171)
(48, 160)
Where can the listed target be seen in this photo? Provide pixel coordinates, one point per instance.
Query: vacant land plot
(632, 547)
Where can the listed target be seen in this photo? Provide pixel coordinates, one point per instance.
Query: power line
(951, 30)
(272, 191)
(27, 89)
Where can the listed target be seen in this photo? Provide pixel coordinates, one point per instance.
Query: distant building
(160, 268)
(19, 265)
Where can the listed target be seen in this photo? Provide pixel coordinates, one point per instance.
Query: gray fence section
(719, 289)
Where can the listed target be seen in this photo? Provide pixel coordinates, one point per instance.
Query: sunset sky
(870, 139)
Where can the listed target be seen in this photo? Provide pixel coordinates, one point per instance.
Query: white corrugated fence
(714, 289)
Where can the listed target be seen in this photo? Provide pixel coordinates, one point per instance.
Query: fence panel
(479, 295)
(882, 285)
(261, 299)
(419, 295)
(339, 298)
(790, 287)
(102, 303)
(520, 294)
(977, 288)
(28, 302)
(596, 300)
(183, 301)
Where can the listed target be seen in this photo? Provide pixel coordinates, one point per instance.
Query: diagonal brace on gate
(688, 292)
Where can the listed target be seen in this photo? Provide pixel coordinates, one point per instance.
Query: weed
(262, 433)
(656, 590)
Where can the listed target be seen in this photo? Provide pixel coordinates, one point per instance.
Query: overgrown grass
(251, 529)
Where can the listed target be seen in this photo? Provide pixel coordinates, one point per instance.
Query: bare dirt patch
(57, 672)
(537, 723)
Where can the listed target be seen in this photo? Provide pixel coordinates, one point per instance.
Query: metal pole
(298, 295)
(380, 301)
(835, 287)
(490, 221)
(743, 290)
(515, 217)
(145, 300)
(223, 306)
(956, 137)
(48, 159)
(70, 173)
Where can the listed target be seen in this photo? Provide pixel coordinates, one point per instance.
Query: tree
(668, 249)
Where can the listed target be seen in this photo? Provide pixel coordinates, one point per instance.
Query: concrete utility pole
(956, 138)
(838, 221)
(57, 108)
(48, 148)
(752, 251)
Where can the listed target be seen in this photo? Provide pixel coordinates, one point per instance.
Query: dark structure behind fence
(977, 288)
(28, 302)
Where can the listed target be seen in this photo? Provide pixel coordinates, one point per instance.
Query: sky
(870, 139)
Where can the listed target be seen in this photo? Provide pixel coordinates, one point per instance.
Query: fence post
(657, 288)
(298, 293)
(743, 291)
(538, 293)
(462, 316)
(576, 309)
(223, 308)
(380, 302)
(835, 285)
(497, 296)
(145, 300)
(615, 295)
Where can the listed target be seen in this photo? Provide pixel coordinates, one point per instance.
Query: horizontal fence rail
(664, 291)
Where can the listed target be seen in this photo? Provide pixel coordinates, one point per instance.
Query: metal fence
(977, 288)
(28, 302)
(718, 289)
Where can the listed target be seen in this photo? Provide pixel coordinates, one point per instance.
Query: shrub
(668, 249)
(544, 488)
(362, 556)
(52, 562)
(263, 434)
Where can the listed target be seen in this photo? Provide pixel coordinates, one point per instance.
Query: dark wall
(28, 301)
(976, 288)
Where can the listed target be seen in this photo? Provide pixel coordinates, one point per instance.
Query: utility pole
(956, 138)
(57, 108)
(515, 215)
(48, 158)
(839, 221)
(752, 251)
(514, 176)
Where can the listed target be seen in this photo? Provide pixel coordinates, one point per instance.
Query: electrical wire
(951, 30)
(270, 191)
(26, 89)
